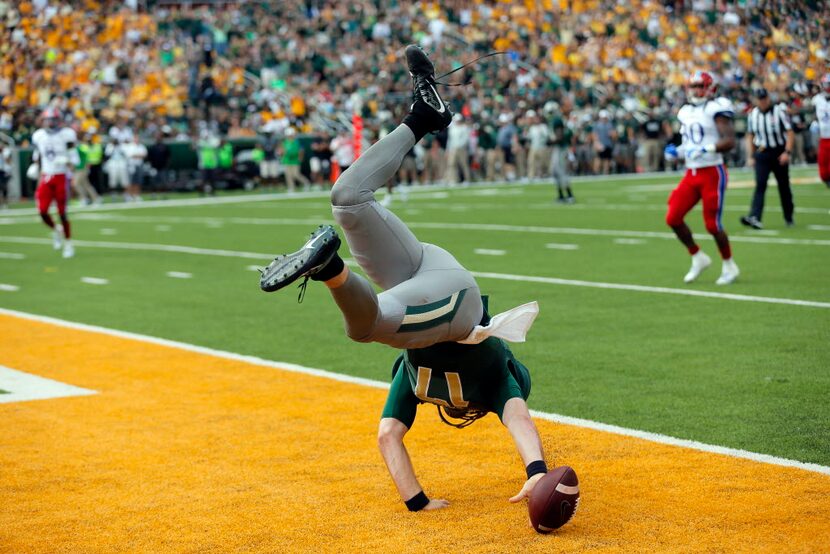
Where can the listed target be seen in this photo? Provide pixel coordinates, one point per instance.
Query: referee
(770, 139)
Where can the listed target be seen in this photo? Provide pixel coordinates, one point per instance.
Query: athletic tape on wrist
(417, 502)
(534, 468)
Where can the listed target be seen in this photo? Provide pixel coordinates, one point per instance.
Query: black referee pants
(766, 162)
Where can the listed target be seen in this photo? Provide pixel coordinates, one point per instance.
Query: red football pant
(705, 183)
(824, 159)
(53, 188)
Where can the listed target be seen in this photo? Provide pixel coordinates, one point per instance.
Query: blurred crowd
(596, 81)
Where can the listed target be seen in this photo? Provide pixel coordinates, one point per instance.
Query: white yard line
(8, 288)
(492, 227)
(490, 252)
(23, 386)
(561, 246)
(12, 256)
(95, 281)
(433, 191)
(629, 241)
(179, 274)
(523, 278)
(594, 204)
(566, 420)
(659, 290)
(601, 232)
(146, 247)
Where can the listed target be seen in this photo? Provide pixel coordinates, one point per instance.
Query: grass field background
(737, 373)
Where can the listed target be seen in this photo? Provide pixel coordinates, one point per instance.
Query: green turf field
(618, 339)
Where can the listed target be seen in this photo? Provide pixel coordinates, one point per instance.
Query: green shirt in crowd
(291, 152)
(208, 157)
(83, 158)
(94, 153)
(226, 156)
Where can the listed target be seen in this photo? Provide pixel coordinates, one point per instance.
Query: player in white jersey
(821, 102)
(55, 153)
(706, 124)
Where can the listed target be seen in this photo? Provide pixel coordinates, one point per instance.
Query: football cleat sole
(308, 260)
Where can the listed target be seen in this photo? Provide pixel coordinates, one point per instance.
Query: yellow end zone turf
(182, 451)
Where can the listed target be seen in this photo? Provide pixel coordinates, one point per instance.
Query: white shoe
(729, 273)
(68, 249)
(700, 261)
(57, 237)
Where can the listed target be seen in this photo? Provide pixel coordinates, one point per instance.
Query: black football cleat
(427, 105)
(305, 262)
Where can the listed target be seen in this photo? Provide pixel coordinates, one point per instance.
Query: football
(554, 499)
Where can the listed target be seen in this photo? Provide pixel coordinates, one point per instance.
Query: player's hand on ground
(436, 504)
(527, 488)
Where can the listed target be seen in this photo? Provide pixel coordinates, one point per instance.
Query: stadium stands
(234, 69)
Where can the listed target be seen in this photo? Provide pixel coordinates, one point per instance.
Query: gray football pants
(428, 296)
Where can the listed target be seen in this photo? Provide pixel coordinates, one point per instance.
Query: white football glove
(696, 152)
(33, 172)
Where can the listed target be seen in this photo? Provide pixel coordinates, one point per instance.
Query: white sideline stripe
(643, 288)
(489, 252)
(503, 276)
(9, 288)
(818, 227)
(462, 227)
(432, 191)
(23, 386)
(629, 241)
(684, 443)
(12, 255)
(179, 274)
(94, 281)
(556, 418)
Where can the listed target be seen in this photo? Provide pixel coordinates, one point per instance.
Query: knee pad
(344, 193)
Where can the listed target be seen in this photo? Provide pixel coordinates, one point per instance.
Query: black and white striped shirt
(769, 129)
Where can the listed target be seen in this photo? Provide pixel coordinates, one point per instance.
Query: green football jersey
(456, 376)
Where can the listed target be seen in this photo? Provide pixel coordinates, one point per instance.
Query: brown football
(554, 499)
